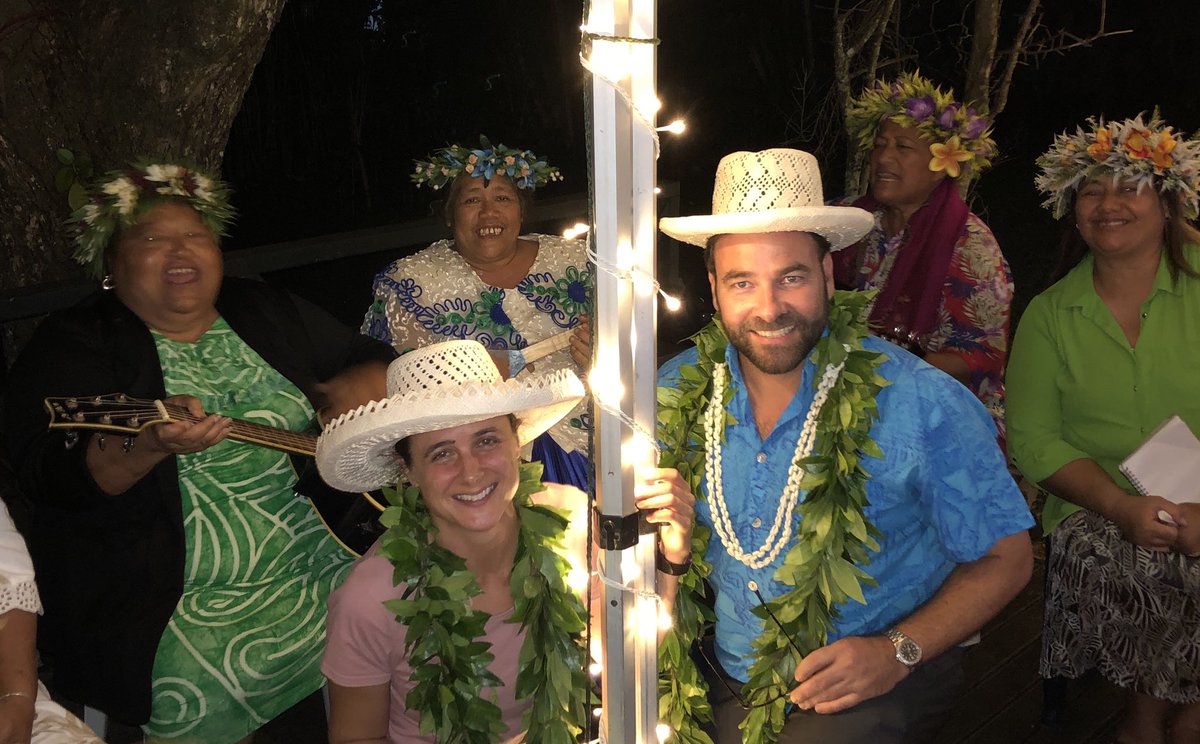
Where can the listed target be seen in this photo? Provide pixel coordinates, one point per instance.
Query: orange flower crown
(1145, 152)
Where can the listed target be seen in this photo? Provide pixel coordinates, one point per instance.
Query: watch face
(908, 652)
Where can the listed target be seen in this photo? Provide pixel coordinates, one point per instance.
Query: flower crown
(522, 167)
(959, 135)
(120, 197)
(1145, 152)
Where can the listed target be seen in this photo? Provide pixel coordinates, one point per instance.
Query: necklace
(781, 530)
(449, 662)
(832, 540)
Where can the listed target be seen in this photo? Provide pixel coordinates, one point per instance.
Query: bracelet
(7, 695)
(669, 568)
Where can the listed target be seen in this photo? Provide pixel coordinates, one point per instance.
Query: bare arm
(1085, 483)
(851, 670)
(359, 715)
(351, 388)
(18, 673)
(952, 364)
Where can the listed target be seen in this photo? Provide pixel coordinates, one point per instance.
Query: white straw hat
(776, 190)
(436, 387)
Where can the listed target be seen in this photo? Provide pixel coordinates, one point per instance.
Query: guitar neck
(260, 434)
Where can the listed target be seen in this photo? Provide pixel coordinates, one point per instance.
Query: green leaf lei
(450, 666)
(834, 539)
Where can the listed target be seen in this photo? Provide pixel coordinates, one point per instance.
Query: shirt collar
(740, 405)
(1079, 290)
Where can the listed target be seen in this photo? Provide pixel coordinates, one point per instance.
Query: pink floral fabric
(973, 320)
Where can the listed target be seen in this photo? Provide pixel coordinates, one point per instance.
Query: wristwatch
(908, 652)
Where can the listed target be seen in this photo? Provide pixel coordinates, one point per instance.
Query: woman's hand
(669, 503)
(1188, 540)
(116, 469)
(16, 720)
(185, 437)
(1138, 519)
(581, 342)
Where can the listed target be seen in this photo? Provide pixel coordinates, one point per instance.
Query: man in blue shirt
(953, 547)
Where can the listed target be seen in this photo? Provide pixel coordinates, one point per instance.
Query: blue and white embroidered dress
(436, 296)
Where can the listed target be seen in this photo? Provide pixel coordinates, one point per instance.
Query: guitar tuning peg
(127, 444)
(106, 419)
(71, 439)
(72, 404)
(122, 397)
(100, 441)
(134, 421)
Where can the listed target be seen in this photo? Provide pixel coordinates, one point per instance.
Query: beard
(778, 360)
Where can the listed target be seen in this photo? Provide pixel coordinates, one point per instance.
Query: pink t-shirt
(365, 647)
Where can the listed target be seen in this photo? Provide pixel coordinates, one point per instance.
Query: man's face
(773, 291)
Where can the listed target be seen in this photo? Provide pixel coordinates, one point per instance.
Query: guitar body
(352, 518)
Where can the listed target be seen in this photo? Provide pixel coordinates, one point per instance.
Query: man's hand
(664, 494)
(847, 672)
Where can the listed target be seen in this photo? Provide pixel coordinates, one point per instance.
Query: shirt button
(756, 523)
(1145, 315)
(1135, 388)
(761, 458)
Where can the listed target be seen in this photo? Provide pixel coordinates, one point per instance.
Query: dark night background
(349, 92)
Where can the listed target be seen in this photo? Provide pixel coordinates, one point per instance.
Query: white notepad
(1167, 464)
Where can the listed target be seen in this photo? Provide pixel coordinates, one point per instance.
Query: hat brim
(841, 226)
(356, 451)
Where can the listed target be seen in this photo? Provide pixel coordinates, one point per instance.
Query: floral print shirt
(974, 316)
(435, 296)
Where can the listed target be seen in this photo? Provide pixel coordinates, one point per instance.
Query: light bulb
(663, 732)
(671, 302)
(676, 127)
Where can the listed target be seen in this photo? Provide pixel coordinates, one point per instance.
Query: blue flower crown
(522, 167)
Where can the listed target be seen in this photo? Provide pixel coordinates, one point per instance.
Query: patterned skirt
(1130, 613)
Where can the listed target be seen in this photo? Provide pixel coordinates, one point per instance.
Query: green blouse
(1077, 389)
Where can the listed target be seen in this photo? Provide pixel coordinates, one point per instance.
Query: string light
(577, 580)
(663, 732)
(677, 126)
(576, 230)
(639, 278)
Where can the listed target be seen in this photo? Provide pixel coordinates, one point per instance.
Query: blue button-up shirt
(941, 496)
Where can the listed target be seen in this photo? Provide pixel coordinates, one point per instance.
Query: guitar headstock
(113, 412)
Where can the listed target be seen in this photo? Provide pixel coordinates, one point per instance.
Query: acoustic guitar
(352, 519)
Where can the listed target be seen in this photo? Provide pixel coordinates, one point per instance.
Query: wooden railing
(29, 302)
(550, 215)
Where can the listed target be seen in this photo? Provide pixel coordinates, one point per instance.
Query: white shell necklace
(781, 530)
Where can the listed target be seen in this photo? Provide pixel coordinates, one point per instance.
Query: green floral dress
(246, 638)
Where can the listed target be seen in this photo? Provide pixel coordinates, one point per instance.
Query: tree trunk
(112, 81)
(985, 33)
